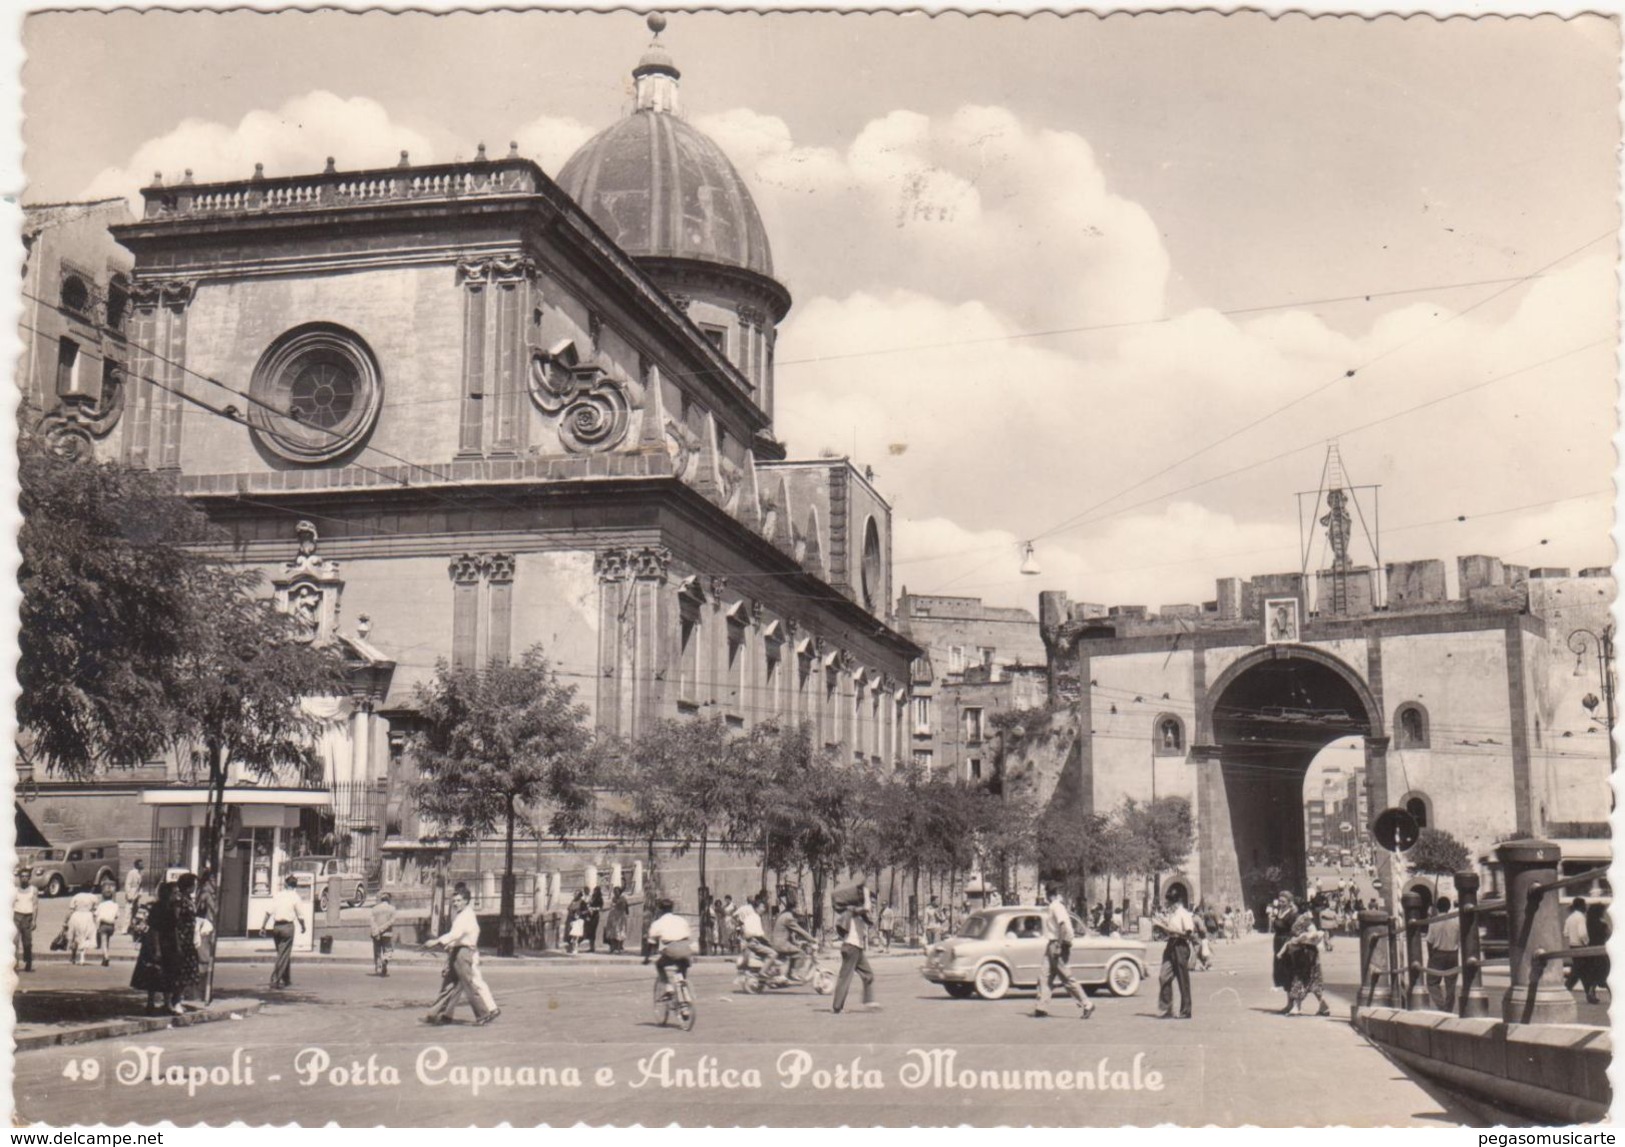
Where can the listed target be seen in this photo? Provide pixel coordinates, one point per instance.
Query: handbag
(60, 944)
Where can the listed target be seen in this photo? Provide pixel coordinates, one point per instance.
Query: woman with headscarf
(1303, 954)
(186, 961)
(1282, 912)
(153, 926)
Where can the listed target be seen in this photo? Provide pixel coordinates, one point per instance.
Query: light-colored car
(997, 950)
(82, 864)
(354, 882)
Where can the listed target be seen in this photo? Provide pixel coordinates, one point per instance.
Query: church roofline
(172, 210)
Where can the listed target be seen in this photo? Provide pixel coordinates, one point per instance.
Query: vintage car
(354, 883)
(82, 864)
(999, 949)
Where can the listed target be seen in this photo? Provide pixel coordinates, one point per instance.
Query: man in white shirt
(753, 940)
(1058, 937)
(669, 935)
(24, 912)
(133, 881)
(462, 941)
(1180, 927)
(853, 925)
(1575, 935)
(280, 921)
(476, 974)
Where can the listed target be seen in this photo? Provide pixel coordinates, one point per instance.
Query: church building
(453, 411)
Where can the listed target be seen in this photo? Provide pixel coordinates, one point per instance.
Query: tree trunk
(703, 897)
(505, 922)
(214, 858)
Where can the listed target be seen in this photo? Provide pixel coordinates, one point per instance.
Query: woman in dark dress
(1282, 914)
(186, 962)
(1594, 969)
(153, 925)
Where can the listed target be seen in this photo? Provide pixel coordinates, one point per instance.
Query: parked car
(1000, 949)
(354, 884)
(83, 864)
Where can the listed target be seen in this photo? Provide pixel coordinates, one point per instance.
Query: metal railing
(1534, 944)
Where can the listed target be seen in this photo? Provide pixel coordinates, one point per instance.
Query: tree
(108, 585)
(1164, 831)
(687, 781)
(1437, 854)
(497, 742)
(1072, 845)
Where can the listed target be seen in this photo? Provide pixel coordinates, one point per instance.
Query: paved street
(1235, 1063)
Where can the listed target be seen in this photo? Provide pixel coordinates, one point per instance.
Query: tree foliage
(1437, 853)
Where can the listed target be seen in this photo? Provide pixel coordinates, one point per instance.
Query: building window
(688, 657)
(956, 659)
(973, 726)
(1169, 734)
(316, 392)
(76, 295)
(118, 303)
(1411, 723)
(718, 336)
(1420, 808)
(922, 760)
(736, 666)
(975, 768)
(67, 368)
(922, 716)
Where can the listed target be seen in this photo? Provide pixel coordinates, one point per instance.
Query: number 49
(82, 1069)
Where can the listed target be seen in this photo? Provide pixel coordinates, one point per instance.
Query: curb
(116, 1029)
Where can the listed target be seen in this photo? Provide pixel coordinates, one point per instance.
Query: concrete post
(1416, 997)
(1373, 953)
(1474, 1001)
(1537, 994)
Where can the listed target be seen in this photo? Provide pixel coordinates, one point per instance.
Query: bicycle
(672, 993)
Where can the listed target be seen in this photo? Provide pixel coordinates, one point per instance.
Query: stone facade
(1469, 706)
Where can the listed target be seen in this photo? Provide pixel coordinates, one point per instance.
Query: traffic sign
(1395, 829)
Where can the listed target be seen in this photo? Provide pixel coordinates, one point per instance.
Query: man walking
(476, 976)
(853, 924)
(133, 881)
(281, 920)
(461, 942)
(1444, 956)
(1058, 937)
(1179, 926)
(932, 922)
(1575, 935)
(24, 910)
(383, 933)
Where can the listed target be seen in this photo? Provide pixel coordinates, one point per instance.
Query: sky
(1109, 285)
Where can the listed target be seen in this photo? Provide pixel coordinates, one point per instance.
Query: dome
(662, 189)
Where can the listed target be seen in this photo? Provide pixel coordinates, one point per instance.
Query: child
(107, 914)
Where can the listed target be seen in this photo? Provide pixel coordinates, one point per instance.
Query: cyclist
(789, 936)
(753, 940)
(670, 935)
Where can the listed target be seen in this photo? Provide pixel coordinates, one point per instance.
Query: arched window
(1411, 726)
(1420, 808)
(1168, 736)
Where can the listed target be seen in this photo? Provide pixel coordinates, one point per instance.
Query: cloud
(551, 140)
(969, 206)
(294, 139)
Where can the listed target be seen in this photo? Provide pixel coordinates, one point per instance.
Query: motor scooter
(755, 977)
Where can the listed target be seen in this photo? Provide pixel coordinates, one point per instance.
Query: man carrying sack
(852, 902)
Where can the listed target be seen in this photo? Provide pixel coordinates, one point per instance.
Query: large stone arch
(1260, 725)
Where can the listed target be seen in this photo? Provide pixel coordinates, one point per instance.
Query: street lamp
(1581, 642)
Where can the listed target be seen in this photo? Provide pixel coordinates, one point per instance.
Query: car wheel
(360, 897)
(1123, 978)
(57, 886)
(960, 991)
(321, 901)
(992, 981)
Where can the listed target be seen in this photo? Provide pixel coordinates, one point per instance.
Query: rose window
(316, 394)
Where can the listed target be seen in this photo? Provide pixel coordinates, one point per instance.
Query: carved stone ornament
(751, 315)
(732, 478)
(593, 410)
(679, 300)
(646, 563)
(499, 568)
(683, 445)
(309, 588)
(72, 429)
(511, 268)
(467, 568)
(166, 292)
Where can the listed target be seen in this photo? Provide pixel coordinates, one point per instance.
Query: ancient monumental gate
(1468, 710)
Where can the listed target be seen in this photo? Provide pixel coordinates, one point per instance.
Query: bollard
(1473, 1001)
(1373, 954)
(1416, 997)
(1537, 994)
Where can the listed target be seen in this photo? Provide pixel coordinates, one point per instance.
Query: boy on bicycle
(671, 936)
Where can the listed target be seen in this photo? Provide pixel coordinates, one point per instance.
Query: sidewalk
(59, 1018)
